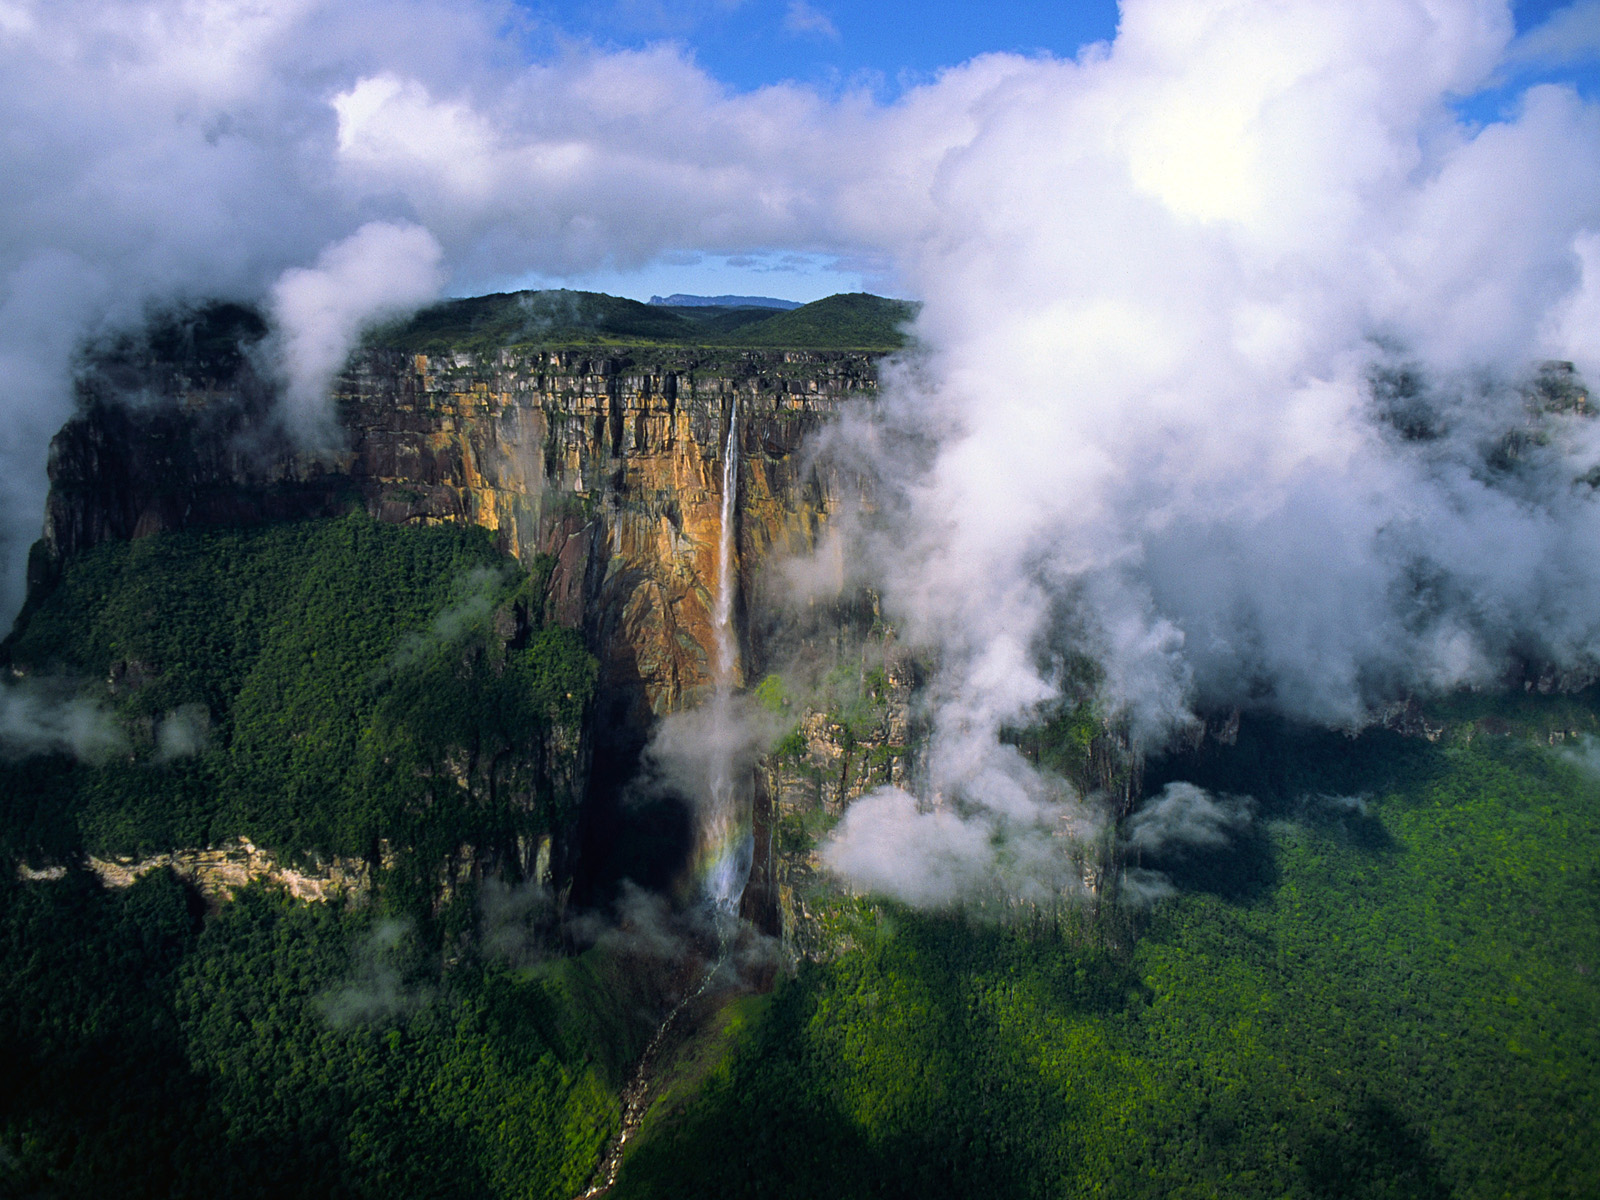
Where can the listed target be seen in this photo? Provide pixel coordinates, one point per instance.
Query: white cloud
(803, 19)
(1158, 283)
(1572, 330)
(38, 719)
(183, 733)
(379, 270)
(1568, 35)
(1184, 817)
(933, 856)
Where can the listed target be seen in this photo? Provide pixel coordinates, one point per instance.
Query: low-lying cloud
(381, 270)
(36, 718)
(936, 855)
(1185, 818)
(377, 988)
(1232, 383)
(183, 733)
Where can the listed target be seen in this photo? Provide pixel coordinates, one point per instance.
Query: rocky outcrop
(610, 463)
(605, 464)
(219, 871)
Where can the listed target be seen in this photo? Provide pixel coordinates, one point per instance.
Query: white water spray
(728, 832)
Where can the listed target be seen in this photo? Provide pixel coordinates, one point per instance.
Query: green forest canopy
(1390, 988)
(336, 664)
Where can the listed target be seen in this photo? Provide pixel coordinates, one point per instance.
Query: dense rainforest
(1385, 985)
(1389, 989)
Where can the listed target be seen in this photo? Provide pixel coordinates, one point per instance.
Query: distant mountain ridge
(856, 321)
(680, 300)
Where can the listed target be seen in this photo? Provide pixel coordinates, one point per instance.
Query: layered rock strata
(608, 461)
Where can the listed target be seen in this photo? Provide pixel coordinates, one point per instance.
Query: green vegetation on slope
(565, 318)
(1403, 1002)
(148, 1053)
(336, 683)
(857, 321)
(1388, 989)
(340, 671)
(712, 320)
(562, 317)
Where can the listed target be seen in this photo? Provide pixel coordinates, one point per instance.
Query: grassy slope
(1405, 1003)
(857, 321)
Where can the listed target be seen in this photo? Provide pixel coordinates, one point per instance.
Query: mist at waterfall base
(1231, 384)
(703, 758)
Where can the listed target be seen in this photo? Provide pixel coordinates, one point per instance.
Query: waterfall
(722, 612)
(728, 830)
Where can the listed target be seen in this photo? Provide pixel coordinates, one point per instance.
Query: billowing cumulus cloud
(1232, 383)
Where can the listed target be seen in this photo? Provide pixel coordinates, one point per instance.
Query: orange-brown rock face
(613, 466)
(611, 463)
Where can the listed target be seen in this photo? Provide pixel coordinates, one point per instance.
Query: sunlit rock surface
(608, 462)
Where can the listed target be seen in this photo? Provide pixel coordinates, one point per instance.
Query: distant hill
(857, 321)
(679, 300)
(713, 322)
(531, 318)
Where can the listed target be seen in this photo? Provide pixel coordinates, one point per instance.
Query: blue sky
(882, 44)
(887, 46)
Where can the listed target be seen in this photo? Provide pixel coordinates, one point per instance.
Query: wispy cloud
(1570, 35)
(38, 718)
(805, 20)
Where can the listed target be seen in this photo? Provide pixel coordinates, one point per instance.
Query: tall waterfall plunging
(722, 613)
(726, 847)
(728, 833)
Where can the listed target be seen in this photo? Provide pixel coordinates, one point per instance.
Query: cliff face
(611, 463)
(217, 872)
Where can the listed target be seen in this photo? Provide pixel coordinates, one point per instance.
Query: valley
(423, 671)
